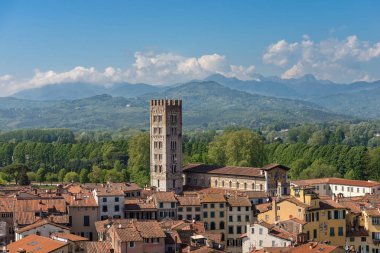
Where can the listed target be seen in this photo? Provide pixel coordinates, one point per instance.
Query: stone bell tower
(166, 145)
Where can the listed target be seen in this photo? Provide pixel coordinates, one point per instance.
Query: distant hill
(72, 91)
(206, 104)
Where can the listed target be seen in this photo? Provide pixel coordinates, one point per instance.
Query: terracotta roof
(83, 199)
(334, 180)
(165, 197)
(213, 198)
(149, 229)
(36, 244)
(325, 204)
(69, 237)
(373, 212)
(138, 204)
(298, 221)
(40, 223)
(314, 247)
(238, 201)
(263, 207)
(53, 204)
(206, 249)
(25, 218)
(109, 192)
(273, 250)
(6, 205)
(274, 166)
(189, 200)
(256, 194)
(295, 201)
(60, 219)
(98, 247)
(223, 170)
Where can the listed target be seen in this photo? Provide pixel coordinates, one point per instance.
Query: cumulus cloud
(148, 67)
(336, 60)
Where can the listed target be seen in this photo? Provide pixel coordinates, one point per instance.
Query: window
(212, 214)
(161, 205)
(253, 186)
(197, 209)
(206, 225)
(340, 231)
(205, 214)
(189, 209)
(188, 217)
(180, 209)
(230, 184)
(363, 239)
(332, 232)
(117, 208)
(221, 205)
(237, 185)
(247, 218)
(260, 243)
(315, 234)
(239, 208)
(86, 220)
(221, 225)
(329, 215)
(172, 205)
(180, 217)
(375, 220)
(105, 209)
(260, 231)
(230, 218)
(238, 229)
(245, 186)
(221, 214)
(376, 235)
(252, 230)
(204, 205)
(230, 229)
(104, 199)
(336, 214)
(197, 217)
(212, 205)
(222, 183)
(238, 218)
(273, 244)
(247, 208)
(131, 244)
(212, 225)
(352, 239)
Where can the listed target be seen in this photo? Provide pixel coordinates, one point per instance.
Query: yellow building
(372, 225)
(325, 218)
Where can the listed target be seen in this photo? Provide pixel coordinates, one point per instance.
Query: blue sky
(164, 41)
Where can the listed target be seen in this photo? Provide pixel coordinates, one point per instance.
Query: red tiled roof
(38, 224)
(314, 247)
(165, 197)
(223, 170)
(70, 237)
(189, 200)
(213, 198)
(334, 180)
(98, 247)
(36, 244)
(238, 201)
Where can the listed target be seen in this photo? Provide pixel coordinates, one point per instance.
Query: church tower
(166, 145)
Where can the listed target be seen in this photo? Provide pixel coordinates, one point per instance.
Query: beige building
(272, 179)
(166, 145)
(189, 207)
(240, 214)
(214, 207)
(83, 212)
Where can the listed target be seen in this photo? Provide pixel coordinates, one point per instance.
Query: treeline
(39, 135)
(128, 158)
(360, 134)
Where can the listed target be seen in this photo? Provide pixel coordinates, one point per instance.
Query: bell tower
(166, 145)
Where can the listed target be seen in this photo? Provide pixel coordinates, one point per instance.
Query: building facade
(166, 145)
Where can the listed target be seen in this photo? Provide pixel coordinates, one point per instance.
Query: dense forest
(59, 155)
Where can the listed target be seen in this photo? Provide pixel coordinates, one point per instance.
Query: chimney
(20, 250)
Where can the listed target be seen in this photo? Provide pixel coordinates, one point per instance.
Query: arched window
(212, 225)
(216, 183)
(245, 186)
(230, 184)
(223, 183)
(222, 237)
(221, 225)
(206, 225)
(237, 185)
(253, 186)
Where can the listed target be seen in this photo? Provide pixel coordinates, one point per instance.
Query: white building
(262, 234)
(110, 201)
(41, 227)
(333, 186)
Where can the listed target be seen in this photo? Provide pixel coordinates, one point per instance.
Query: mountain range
(215, 102)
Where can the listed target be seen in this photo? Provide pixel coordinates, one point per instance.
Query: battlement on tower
(165, 102)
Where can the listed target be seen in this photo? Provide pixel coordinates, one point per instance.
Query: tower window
(160, 168)
(174, 168)
(158, 183)
(173, 183)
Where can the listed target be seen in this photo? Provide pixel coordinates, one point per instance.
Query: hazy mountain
(83, 90)
(205, 104)
(304, 88)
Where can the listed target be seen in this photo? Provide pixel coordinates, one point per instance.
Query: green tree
(61, 175)
(71, 177)
(40, 175)
(297, 167)
(96, 175)
(51, 177)
(32, 176)
(83, 176)
(138, 165)
(17, 171)
(319, 169)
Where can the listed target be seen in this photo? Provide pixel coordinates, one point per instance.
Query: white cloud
(336, 60)
(150, 68)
